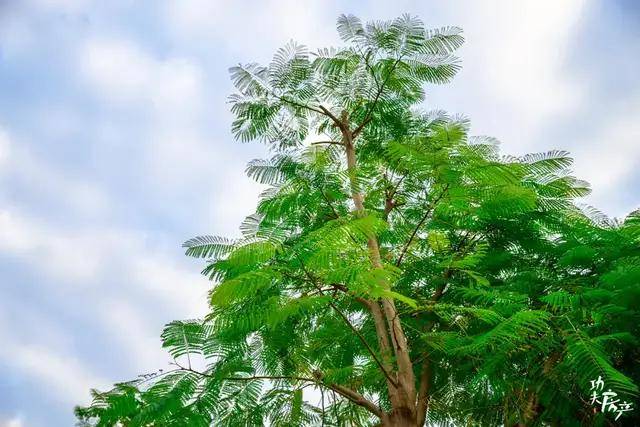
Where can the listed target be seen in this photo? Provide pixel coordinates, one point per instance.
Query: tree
(403, 269)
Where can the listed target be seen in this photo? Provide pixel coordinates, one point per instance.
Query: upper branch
(339, 123)
(367, 117)
(422, 220)
(298, 104)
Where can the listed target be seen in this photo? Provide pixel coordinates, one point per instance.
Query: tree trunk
(403, 394)
(400, 417)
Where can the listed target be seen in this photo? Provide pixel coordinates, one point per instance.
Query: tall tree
(402, 269)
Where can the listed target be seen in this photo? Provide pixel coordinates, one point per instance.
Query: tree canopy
(397, 271)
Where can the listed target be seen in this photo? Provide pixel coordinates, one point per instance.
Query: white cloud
(246, 30)
(520, 60)
(119, 70)
(169, 94)
(138, 339)
(5, 147)
(120, 277)
(513, 80)
(12, 422)
(15, 237)
(66, 6)
(76, 257)
(234, 202)
(68, 377)
(113, 269)
(86, 257)
(124, 73)
(609, 157)
(22, 23)
(16, 33)
(51, 185)
(183, 289)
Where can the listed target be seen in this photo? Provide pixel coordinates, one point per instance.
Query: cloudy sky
(115, 148)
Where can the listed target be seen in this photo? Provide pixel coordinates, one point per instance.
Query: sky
(115, 147)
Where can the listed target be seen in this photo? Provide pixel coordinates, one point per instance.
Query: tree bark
(403, 397)
(400, 417)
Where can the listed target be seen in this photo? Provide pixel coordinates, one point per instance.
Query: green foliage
(510, 295)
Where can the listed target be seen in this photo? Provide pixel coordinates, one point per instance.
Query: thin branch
(270, 90)
(333, 209)
(149, 377)
(364, 301)
(357, 398)
(367, 117)
(335, 213)
(297, 104)
(186, 344)
(327, 142)
(336, 120)
(423, 391)
(373, 74)
(352, 395)
(422, 404)
(365, 122)
(378, 320)
(322, 403)
(395, 188)
(348, 322)
(424, 218)
(389, 203)
(252, 378)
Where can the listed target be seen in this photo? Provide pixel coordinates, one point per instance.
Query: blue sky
(115, 148)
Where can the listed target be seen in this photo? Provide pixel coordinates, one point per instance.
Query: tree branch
(367, 117)
(352, 395)
(378, 321)
(327, 142)
(297, 104)
(336, 120)
(348, 322)
(389, 203)
(426, 372)
(365, 122)
(423, 391)
(422, 220)
(357, 398)
(251, 378)
(395, 188)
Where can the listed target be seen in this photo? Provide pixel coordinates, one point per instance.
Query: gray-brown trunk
(400, 417)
